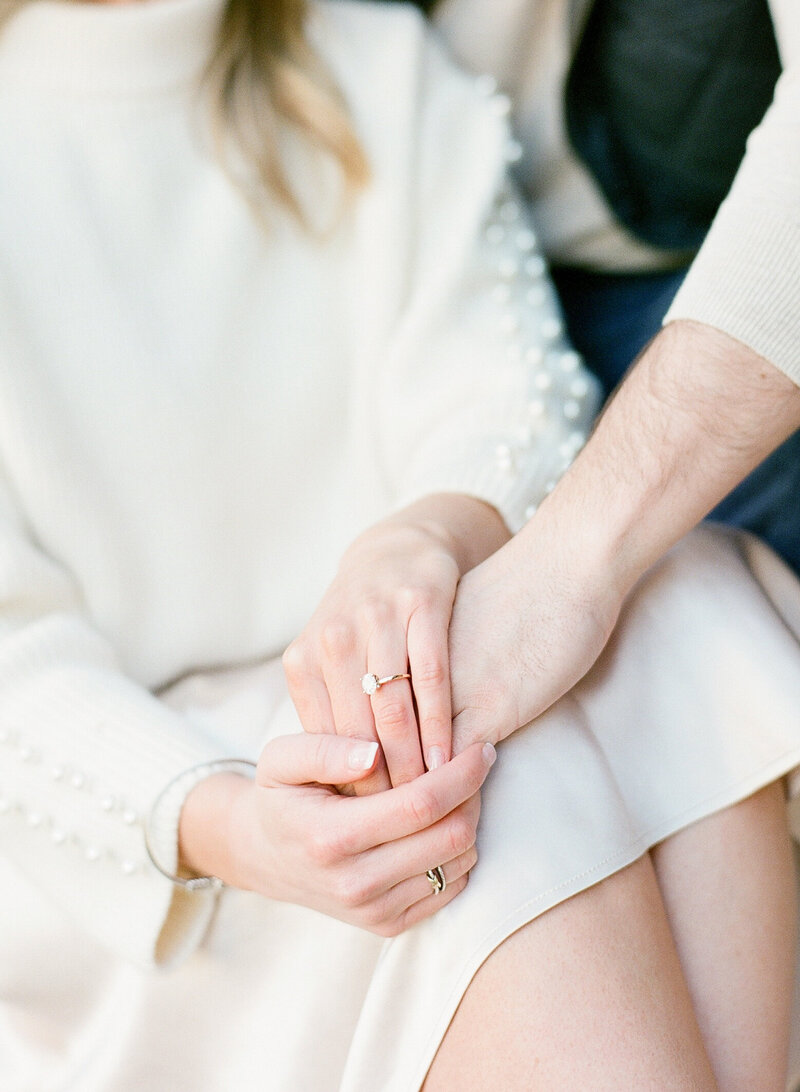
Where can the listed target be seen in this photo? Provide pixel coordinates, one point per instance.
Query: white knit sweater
(196, 416)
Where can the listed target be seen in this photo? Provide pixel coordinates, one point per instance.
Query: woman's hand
(289, 836)
(387, 613)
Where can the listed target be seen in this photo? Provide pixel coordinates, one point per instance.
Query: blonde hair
(264, 76)
(262, 80)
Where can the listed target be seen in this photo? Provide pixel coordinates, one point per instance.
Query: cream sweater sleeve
(83, 753)
(745, 278)
(476, 388)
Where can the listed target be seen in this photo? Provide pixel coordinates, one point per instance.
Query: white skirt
(694, 705)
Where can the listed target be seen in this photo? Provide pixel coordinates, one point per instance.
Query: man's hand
(695, 415)
(527, 624)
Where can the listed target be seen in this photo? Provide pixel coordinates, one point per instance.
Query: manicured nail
(362, 755)
(489, 753)
(435, 758)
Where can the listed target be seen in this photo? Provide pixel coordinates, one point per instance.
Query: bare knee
(590, 994)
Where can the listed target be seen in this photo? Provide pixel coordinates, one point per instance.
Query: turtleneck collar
(100, 48)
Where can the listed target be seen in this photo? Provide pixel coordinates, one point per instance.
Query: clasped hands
(388, 613)
(489, 645)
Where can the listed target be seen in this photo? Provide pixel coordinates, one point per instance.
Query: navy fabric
(661, 97)
(610, 318)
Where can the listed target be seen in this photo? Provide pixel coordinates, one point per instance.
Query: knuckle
(295, 659)
(349, 888)
(376, 613)
(395, 716)
(373, 916)
(414, 598)
(436, 725)
(431, 673)
(346, 839)
(388, 929)
(460, 834)
(337, 637)
(422, 808)
(322, 847)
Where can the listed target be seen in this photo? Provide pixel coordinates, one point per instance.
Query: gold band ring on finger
(371, 684)
(436, 879)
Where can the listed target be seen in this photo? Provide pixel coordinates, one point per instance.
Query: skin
(694, 416)
(675, 973)
(290, 836)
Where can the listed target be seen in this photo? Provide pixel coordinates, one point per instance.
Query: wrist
(213, 832)
(698, 411)
(467, 528)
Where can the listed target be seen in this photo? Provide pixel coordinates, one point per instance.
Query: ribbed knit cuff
(745, 282)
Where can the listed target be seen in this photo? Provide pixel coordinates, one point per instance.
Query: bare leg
(727, 883)
(589, 995)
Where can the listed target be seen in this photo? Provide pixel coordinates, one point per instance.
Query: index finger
(418, 804)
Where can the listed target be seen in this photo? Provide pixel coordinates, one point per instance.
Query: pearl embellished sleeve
(480, 391)
(83, 753)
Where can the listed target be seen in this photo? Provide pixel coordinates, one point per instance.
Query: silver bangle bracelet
(162, 819)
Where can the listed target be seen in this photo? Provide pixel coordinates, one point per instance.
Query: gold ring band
(371, 684)
(436, 878)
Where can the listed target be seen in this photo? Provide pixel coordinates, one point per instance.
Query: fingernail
(489, 753)
(362, 755)
(435, 758)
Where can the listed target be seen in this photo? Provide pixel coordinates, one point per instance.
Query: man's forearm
(697, 412)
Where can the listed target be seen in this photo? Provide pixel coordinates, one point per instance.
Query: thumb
(305, 759)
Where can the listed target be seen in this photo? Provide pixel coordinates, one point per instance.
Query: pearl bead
(579, 387)
(34, 819)
(129, 816)
(486, 84)
(58, 836)
(128, 867)
(569, 361)
(572, 410)
(509, 211)
(536, 408)
(507, 268)
(57, 773)
(531, 511)
(108, 803)
(514, 151)
(26, 753)
(526, 241)
(551, 329)
(535, 266)
(543, 381)
(536, 295)
(550, 486)
(5, 806)
(501, 104)
(504, 457)
(495, 234)
(577, 440)
(534, 355)
(77, 781)
(92, 853)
